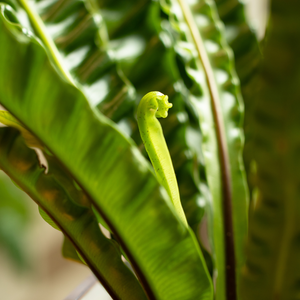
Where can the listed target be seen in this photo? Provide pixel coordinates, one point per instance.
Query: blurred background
(32, 267)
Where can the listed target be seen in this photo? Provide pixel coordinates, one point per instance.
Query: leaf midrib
(139, 273)
(223, 151)
(35, 195)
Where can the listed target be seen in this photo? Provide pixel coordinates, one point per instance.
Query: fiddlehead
(152, 106)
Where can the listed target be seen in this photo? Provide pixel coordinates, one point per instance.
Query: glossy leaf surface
(71, 38)
(76, 222)
(155, 69)
(216, 99)
(77, 32)
(100, 159)
(248, 59)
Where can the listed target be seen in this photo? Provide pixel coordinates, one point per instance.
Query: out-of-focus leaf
(212, 91)
(70, 252)
(248, 58)
(108, 168)
(79, 33)
(14, 217)
(273, 267)
(47, 219)
(7, 119)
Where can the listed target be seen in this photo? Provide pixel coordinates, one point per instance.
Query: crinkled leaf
(212, 91)
(248, 59)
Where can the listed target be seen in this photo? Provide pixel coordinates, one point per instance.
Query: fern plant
(71, 76)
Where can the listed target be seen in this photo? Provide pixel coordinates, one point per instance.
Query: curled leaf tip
(158, 103)
(152, 106)
(163, 106)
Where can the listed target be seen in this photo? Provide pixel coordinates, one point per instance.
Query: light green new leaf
(106, 165)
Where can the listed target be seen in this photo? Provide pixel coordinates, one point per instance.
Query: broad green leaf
(273, 267)
(138, 72)
(77, 38)
(107, 167)
(187, 159)
(212, 91)
(76, 222)
(61, 30)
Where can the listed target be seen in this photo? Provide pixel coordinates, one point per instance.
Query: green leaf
(248, 59)
(61, 30)
(69, 251)
(155, 69)
(108, 168)
(272, 270)
(243, 41)
(100, 219)
(79, 33)
(76, 222)
(212, 91)
(48, 219)
(138, 70)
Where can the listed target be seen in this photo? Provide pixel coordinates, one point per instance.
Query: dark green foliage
(134, 206)
(80, 104)
(272, 268)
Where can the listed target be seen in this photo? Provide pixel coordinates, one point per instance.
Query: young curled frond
(152, 106)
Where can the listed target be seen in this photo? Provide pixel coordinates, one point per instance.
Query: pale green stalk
(152, 106)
